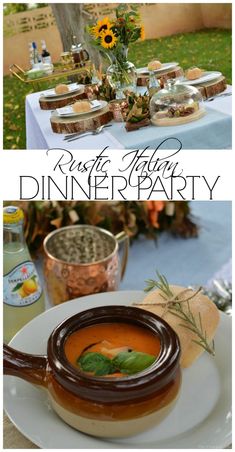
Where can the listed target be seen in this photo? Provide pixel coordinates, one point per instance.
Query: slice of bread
(194, 73)
(200, 303)
(61, 89)
(81, 106)
(154, 65)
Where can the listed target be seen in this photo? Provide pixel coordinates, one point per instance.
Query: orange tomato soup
(110, 339)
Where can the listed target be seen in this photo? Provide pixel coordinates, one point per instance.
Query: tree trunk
(71, 19)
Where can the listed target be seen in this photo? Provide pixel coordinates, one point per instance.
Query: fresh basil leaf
(105, 369)
(125, 362)
(97, 363)
(132, 362)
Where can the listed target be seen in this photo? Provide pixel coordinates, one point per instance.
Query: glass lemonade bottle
(23, 296)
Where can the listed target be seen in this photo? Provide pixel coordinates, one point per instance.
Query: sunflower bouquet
(112, 37)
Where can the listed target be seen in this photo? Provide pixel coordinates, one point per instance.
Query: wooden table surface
(13, 439)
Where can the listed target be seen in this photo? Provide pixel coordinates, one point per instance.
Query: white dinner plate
(164, 67)
(68, 111)
(73, 88)
(208, 76)
(201, 417)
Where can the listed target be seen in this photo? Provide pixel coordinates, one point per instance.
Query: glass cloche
(176, 104)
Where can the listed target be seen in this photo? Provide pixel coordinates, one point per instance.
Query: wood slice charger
(82, 122)
(213, 88)
(142, 79)
(208, 89)
(51, 103)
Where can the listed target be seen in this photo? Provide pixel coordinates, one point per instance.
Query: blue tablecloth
(212, 131)
(184, 261)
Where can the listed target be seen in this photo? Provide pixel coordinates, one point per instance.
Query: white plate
(73, 88)
(68, 111)
(201, 417)
(208, 76)
(164, 67)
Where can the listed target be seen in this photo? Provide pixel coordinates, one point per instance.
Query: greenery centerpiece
(112, 38)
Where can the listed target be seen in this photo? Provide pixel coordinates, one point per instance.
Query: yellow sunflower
(142, 33)
(108, 39)
(102, 25)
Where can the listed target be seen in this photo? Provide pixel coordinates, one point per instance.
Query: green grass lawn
(208, 49)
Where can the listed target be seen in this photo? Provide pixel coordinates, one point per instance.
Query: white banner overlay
(116, 174)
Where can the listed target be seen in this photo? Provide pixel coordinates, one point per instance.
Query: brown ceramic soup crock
(101, 406)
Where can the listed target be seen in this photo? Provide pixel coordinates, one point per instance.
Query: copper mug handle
(123, 237)
(32, 368)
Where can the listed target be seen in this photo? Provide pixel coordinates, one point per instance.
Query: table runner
(212, 131)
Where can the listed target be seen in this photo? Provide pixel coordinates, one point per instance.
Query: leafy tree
(41, 5)
(12, 8)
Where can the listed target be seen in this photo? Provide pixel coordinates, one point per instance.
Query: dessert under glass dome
(176, 104)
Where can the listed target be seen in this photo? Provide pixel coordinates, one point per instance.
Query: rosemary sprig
(173, 304)
(162, 284)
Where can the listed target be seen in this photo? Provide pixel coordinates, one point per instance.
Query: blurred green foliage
(12, 8)
(209, 49)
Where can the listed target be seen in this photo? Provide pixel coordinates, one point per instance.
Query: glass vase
(122, 74)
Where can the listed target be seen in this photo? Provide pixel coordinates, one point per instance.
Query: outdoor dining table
(212, 131)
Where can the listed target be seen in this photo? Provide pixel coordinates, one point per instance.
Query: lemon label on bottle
(21, 286)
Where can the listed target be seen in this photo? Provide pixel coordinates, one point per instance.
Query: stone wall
(160, 19)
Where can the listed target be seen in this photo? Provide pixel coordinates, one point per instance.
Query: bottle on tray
(36, 57)
(46, 57)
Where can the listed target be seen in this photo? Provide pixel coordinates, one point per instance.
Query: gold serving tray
(58, 72)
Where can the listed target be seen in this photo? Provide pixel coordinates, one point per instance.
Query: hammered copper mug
(82, 260)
